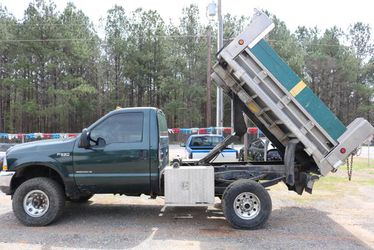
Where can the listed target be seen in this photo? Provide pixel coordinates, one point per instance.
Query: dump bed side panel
(303, 94)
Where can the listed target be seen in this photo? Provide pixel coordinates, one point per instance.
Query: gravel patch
(124, 222)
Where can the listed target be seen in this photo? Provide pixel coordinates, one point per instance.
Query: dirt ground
(339, 215)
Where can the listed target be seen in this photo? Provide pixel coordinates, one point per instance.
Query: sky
(321, 13)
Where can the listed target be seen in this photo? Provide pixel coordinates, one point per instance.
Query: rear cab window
(162, 127)
(163, 150)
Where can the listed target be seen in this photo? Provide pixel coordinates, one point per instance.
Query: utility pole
(219, 111)
(212, 11)
(209, 81)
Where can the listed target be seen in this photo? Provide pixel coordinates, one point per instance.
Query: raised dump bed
(280, 102)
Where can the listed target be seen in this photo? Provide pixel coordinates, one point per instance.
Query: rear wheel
(38, 201)
(246, 204)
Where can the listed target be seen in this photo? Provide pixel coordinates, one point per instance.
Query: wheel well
(30, 172)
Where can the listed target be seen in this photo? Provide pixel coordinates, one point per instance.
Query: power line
(44, 40)
(153, 36)
(85, 39)
(44, 24)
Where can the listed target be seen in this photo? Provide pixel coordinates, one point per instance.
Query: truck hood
(47, 146)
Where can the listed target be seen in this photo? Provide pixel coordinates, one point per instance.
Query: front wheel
(38, 201)
(246, 204)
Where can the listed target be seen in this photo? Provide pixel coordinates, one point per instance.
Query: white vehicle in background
(198, 146)
(3, 148)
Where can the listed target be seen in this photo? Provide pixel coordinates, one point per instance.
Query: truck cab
(122, 152)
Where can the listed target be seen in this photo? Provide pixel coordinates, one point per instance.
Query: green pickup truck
(122, 153)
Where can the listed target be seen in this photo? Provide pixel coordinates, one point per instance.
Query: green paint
(119, 167)
(321, 113)
(275, 64)
(288, 78)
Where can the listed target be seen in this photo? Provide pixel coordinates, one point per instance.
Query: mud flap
(240, 128)
(302, 181)
(308, 181)
(289, 161)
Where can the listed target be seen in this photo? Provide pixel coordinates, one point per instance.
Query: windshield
(205, 141)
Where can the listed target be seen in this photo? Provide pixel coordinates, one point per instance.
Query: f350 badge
(63, 154)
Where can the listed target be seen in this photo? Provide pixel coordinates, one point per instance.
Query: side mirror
(100, 142)
(183, 144)
(85, 139)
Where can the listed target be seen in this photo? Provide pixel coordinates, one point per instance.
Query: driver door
(120, 162)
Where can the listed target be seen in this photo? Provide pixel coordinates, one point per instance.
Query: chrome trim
(36, 203)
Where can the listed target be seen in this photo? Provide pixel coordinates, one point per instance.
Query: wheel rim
(247, 205)
(36, 203)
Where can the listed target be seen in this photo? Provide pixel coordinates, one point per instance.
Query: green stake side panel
(305, 96)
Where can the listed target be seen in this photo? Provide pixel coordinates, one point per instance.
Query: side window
(127, 127)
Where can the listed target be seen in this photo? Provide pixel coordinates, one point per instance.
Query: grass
(362, 175)
(328, 187)
(369, 182)
(330, 183)
(361, 164)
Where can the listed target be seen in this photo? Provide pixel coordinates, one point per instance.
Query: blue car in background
(198, 146)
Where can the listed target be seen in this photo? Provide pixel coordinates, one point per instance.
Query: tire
(273, 155)
(246, 204)
(38, 190)
(80, 199)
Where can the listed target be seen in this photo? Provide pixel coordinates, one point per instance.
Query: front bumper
(5, 180)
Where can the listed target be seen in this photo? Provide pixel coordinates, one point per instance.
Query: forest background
(57, 74)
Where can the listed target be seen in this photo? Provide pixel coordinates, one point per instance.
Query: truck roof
(122, 110)
(133, 108)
